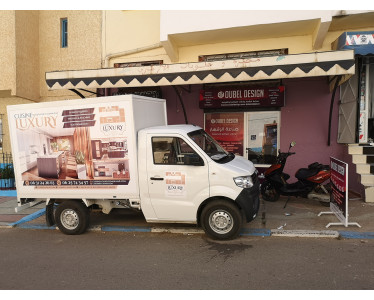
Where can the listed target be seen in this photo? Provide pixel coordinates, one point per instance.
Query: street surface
(49, 260)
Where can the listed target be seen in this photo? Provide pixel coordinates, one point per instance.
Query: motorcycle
(312, 182)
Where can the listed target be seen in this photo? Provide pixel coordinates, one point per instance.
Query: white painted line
(305, 233)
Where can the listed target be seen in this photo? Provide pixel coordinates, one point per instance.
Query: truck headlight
(244, 181)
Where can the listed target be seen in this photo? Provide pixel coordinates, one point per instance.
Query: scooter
(312, 182)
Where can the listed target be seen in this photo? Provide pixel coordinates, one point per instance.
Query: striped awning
(258, 68)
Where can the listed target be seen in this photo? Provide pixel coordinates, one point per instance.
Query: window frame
(177, 148)
(64, 32)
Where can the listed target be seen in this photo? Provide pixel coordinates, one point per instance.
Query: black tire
(268, 192)
(221, 220)
(72, 217)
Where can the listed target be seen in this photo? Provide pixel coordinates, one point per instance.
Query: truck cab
(185, 176)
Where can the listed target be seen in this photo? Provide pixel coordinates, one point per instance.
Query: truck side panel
(78, 148)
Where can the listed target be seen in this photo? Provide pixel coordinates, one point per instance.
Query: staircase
(363, 158)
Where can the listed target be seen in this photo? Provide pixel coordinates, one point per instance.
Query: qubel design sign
(243, 97)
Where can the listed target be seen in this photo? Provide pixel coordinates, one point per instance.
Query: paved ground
(298, 218)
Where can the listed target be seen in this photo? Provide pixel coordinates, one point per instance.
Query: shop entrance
(253, 135)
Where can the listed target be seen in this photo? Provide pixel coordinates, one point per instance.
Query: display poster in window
(227, 129)
(242, 97)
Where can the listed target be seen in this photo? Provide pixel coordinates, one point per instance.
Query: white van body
(118, 152)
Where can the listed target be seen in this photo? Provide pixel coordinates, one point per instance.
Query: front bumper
(249, 200)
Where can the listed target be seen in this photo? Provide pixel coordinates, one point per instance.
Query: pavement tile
(10, 218)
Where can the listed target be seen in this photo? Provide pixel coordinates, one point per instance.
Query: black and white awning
(259, 68)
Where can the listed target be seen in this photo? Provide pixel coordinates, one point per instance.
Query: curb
(243, 232)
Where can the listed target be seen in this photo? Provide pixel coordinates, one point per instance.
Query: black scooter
(311, 184)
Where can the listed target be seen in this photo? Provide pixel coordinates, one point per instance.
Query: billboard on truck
(75, 146)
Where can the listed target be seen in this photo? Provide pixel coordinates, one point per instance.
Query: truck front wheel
(221, 220)
(72, 217)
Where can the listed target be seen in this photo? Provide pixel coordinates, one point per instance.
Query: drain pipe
(128, 52)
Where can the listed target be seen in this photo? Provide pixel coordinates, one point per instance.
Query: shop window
(262, 136)
(64, 33)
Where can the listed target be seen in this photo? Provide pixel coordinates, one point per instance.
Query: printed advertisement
(67, 147)
(175, 184)
(339, 188)
(242, 97)
(227, 129)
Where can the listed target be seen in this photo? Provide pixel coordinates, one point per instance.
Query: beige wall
(27, 54)
(83, 51)
(7, 52)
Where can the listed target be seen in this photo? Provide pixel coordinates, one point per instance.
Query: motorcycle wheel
(268, 192)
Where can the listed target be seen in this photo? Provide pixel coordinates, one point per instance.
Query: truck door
(178, 178)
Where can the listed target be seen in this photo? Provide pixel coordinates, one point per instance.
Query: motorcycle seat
(304, 173)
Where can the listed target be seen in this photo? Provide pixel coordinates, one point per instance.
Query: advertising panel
(242, 97)
(339, 188)
(81, 146)
(339, 193)
(227, 129)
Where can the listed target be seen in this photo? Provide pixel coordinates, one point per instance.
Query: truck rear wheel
(72, 217)
(221, 220)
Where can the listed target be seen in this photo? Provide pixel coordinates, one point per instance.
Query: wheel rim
(69, 219)
(221, 221)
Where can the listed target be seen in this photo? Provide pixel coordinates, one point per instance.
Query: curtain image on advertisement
(262, 140)
(82, 143)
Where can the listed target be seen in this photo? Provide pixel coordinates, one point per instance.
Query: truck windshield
(210, 146)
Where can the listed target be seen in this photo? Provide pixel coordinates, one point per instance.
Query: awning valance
(258, 68)
(362, 42)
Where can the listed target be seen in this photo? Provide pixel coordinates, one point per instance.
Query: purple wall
(304, 119)
(190, 96)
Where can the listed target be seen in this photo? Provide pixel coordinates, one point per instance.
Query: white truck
(118, 152)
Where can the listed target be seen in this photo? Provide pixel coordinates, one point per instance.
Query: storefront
(252, 106)
(356, 124)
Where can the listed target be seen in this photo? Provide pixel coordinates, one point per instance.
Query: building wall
(7, 53)
(83, 51)
(27, 54)
(130, 30)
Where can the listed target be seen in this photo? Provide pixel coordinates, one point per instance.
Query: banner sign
(242, 97)
(339, 193)
(227, 129)
(339, 189)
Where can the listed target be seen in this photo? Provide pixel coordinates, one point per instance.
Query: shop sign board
(339, 188)
(339, 192)
(227, 129)
(242, 97)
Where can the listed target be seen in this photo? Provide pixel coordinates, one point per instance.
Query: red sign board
(242, 97)
(227, 129)
(339, 187)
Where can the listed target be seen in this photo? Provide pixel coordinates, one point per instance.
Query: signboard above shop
(242, 97)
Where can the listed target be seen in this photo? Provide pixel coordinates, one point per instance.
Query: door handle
(157, 178)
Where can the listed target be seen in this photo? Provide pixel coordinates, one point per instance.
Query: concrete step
(369, 194)
(356, 149)
(365, 169)
(367, 180)
(362, 159)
